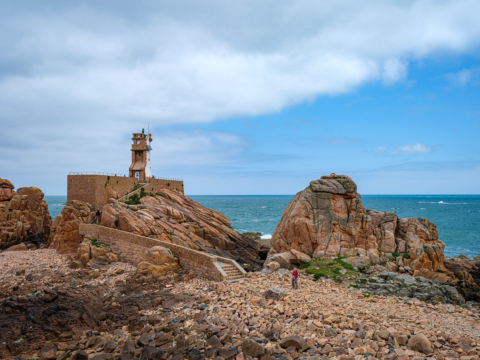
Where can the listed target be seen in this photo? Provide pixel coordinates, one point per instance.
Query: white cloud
(381, 150)
(463, 77)
(77, 77)
(413, 149)
(408, 149)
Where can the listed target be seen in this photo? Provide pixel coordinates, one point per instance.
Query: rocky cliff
(23, 215)
(175, 218)
(328, 218)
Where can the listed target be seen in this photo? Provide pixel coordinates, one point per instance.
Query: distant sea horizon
(457, 216)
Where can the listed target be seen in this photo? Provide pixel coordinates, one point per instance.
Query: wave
(266, 237)
(441, 202)
(423, 209)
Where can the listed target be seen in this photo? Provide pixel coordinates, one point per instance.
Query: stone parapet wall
(97, 189)
(131, 248)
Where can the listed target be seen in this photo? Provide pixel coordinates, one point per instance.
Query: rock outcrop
(23, 215)
(328, 218)
(158, 262)
(177, 219)
(64, 235)
(393, 284)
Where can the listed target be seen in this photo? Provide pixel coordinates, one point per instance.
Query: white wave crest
(266, 236)
(441, 202)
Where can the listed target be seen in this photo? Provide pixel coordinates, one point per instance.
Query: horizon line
(295, 194)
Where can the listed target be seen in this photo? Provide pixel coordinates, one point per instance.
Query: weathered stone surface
(328, 218)
(253, 349)
(48, 352)
(158, 255)
(420, 342)
(274, 266)
(295, 341)
(177, 219)
(64, 235)
(23, 215)
(6, 190)
(391, 283)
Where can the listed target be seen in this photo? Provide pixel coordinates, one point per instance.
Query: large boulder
(328, 219)
(64, 234)
(175, 218)
(6, 190)
(159, 255)
(23, 215)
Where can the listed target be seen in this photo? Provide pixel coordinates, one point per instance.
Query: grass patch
(328, 268)
(395, 254)
(96, 243)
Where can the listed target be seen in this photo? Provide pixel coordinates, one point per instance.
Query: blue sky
(244, 98)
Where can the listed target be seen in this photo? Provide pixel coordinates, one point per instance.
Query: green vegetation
(366, 295)
(95, 243)
(395, 254)
(134, 200)
(108, 177)
(406, 256)
(318, 274)
(337, 270)
(301, 267)
(329, 268)
(168, 184)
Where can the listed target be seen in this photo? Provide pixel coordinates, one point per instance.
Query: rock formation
(23, 215)
(158, 262)
(328, 218)
(64, 235)
(175, 218)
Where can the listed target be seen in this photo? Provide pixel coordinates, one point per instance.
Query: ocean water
(457, 216)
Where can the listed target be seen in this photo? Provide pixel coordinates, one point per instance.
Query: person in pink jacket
(295, 279)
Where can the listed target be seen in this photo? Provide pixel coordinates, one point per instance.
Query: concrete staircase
(233, 273)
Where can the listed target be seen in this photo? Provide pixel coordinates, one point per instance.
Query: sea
(457, 216)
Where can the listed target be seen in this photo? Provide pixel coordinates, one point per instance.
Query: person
(116, 223)
(98, 215)
(295, 279)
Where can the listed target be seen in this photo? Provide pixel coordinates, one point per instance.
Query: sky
(244, 97)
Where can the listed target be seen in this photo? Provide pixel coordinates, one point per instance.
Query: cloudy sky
(245, 97)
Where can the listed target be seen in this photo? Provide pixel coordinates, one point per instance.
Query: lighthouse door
(137, 175)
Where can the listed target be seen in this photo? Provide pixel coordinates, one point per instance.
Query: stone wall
(131, 248)
(97, 189)
(154, 187)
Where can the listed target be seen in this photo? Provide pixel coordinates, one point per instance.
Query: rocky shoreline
(372, 286)
(102, 312)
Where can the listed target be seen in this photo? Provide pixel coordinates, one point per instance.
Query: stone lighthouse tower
(140, 167)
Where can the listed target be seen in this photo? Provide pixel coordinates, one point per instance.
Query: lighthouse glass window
(139, 154)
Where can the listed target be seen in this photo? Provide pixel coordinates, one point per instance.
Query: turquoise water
(457, 216)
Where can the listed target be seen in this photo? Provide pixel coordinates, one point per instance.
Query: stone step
(231, 270)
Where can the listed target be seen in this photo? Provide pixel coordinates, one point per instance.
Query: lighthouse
(141, 148)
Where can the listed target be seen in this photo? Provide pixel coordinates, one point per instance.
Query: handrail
(121, 175)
